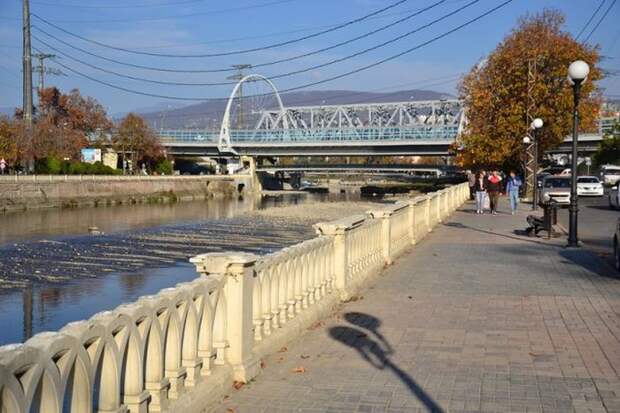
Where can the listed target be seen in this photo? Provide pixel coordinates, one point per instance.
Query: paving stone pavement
(475, 318)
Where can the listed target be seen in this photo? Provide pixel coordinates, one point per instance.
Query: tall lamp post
(577, 73)
(536, 124)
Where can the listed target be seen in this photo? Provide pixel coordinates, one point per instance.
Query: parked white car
(610, 174)
(589, 186)
(614, 196)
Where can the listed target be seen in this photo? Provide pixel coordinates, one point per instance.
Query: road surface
(596, 225)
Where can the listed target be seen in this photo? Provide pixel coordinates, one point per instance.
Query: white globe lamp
(578, 71)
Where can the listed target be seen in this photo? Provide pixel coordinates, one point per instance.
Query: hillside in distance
(208, 115)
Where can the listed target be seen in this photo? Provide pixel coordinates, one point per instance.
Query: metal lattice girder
(396, 114)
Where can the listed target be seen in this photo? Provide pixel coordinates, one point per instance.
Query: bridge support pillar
(256, 185)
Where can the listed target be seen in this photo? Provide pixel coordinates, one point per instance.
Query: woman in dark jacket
(494, 187)
(480, 187)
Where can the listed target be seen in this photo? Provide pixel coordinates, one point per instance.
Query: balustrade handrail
(145, 355)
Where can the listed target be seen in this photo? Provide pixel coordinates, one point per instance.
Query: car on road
(617, 245)
(614, 196)
(589, 186)
(557, 188)
(610, 174)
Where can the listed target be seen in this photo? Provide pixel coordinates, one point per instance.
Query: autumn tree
(10, 133)
(65, 123)
(135, 139)
(495, 92)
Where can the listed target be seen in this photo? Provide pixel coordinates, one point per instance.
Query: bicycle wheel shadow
(372, 346)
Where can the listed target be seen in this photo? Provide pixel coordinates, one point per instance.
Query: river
(52, 271)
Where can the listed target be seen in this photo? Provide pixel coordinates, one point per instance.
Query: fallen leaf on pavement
(316, 325)
(283, 349)
(299, 370)
(305, 356)
(238, 384)
(262, 364)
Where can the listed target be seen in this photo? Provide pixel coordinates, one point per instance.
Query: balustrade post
(238, 295)
(386, 232)
(339, 230)
(412, 221)
(427, 214)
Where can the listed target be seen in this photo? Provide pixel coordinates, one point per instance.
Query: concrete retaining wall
(30, 192)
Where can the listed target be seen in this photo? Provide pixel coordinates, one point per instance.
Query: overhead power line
(231, 53)
(583, 29)
(256, 36)
(307, 85)
(600, 21)
(178, 16)
(117, 6)
(228, 69)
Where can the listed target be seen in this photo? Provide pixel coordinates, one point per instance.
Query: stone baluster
(238, 293)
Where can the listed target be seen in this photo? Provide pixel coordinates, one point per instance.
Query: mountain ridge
(209, 114)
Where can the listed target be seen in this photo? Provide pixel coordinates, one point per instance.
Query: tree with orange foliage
(135, 140)
(65, 123)
(495, 92)
(10, 133)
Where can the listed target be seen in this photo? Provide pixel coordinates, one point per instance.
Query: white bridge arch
(267, 120)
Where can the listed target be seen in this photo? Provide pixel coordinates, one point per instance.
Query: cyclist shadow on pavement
(372, 346)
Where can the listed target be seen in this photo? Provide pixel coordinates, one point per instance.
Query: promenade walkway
(475, 318)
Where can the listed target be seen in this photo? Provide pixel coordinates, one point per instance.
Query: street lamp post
(536, 124)
(577, 73)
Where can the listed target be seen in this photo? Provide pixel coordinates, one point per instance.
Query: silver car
(614, 196)
(557, 188)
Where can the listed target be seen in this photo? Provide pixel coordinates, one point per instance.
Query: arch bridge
(392, 128)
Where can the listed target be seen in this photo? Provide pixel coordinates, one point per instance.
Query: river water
(52, 271)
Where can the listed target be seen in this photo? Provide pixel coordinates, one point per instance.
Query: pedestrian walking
(471, 179)
(512, 188)
(480, 187)
(494, 187)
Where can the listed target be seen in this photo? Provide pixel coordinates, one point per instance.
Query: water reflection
(37, 224)
(49, 308)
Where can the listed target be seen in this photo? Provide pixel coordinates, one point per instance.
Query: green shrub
(163, 167)
(48, 165)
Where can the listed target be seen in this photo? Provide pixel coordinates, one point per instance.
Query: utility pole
(27, 80)
(42, 70)
(238, 76)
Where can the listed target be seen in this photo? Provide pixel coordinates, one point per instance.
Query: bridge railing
(99, 178)
(417, 132)
(200, 336)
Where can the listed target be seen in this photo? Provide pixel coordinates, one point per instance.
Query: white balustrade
(142, 356)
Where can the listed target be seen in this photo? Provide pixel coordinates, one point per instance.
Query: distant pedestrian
(480, 187)
(512, 189)
(471, 179)
(494, 187)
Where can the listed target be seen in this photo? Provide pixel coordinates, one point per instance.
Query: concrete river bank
(53, 272)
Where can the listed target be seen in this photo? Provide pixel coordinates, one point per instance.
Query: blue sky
(214, 26)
